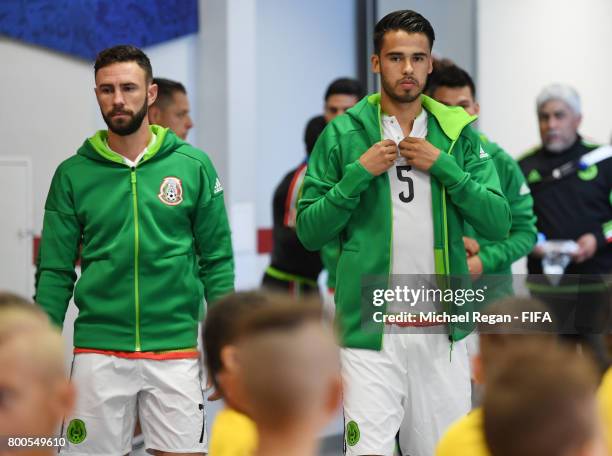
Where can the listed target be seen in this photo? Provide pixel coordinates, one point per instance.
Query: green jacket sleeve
(59, 250)
(331, 191)
(523, 232)
(475, 189)
(213, 238)
(330, 253)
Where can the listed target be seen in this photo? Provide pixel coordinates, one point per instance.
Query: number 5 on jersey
(402, 172)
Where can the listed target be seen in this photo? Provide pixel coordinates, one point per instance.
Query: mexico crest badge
(171, 191)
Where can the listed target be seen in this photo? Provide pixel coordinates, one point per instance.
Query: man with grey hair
(571, 188)
(559, 116)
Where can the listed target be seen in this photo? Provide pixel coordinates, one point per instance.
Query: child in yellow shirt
(466, 437)
(250, 338)
(605, 402)
(233, 432)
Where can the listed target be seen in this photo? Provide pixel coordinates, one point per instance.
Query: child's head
(494, 339)
(35, 393)
(290, 367)
(18, 314)
(220, 335)
(540, 400)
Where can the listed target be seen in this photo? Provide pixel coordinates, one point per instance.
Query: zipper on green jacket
(447, 270)
(446, 255)
(136, 291)
(380, 132)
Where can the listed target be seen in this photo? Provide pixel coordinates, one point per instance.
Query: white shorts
(167, 396)
(414, 385)
(329, 304)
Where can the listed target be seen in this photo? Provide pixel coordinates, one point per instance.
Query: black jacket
(572, 205)
(288, 254)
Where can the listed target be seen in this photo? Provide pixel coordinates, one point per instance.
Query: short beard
(388, 88)
(559, 146)
(132, 125)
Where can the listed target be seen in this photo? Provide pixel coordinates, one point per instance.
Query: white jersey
(412, 249)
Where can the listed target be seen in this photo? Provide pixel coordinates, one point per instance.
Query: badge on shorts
(76, 432)
(352, 433)
(171, 191)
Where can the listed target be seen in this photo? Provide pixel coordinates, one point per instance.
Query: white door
(16, 269)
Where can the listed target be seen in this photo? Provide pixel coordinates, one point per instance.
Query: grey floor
(330, 446)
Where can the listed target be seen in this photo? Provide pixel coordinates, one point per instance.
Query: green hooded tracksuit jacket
(340, 198)
(496, 257)
(155, 240)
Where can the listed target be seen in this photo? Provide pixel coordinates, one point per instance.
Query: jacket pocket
(171, 298)
(104, 295)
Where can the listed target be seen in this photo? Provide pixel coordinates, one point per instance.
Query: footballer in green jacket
(144, 212)
(453, 86)
(395, 179)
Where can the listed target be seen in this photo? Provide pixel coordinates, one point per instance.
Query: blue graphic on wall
(84, 27)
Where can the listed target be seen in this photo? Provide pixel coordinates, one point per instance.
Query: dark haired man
(398, 204)
(341, 95)
(293, 268)
(453, 86)
(171, 107)
(139, 202)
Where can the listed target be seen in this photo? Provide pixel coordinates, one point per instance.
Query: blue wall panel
(84, 27)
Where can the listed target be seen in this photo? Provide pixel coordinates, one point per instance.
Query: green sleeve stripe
(287, 277)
